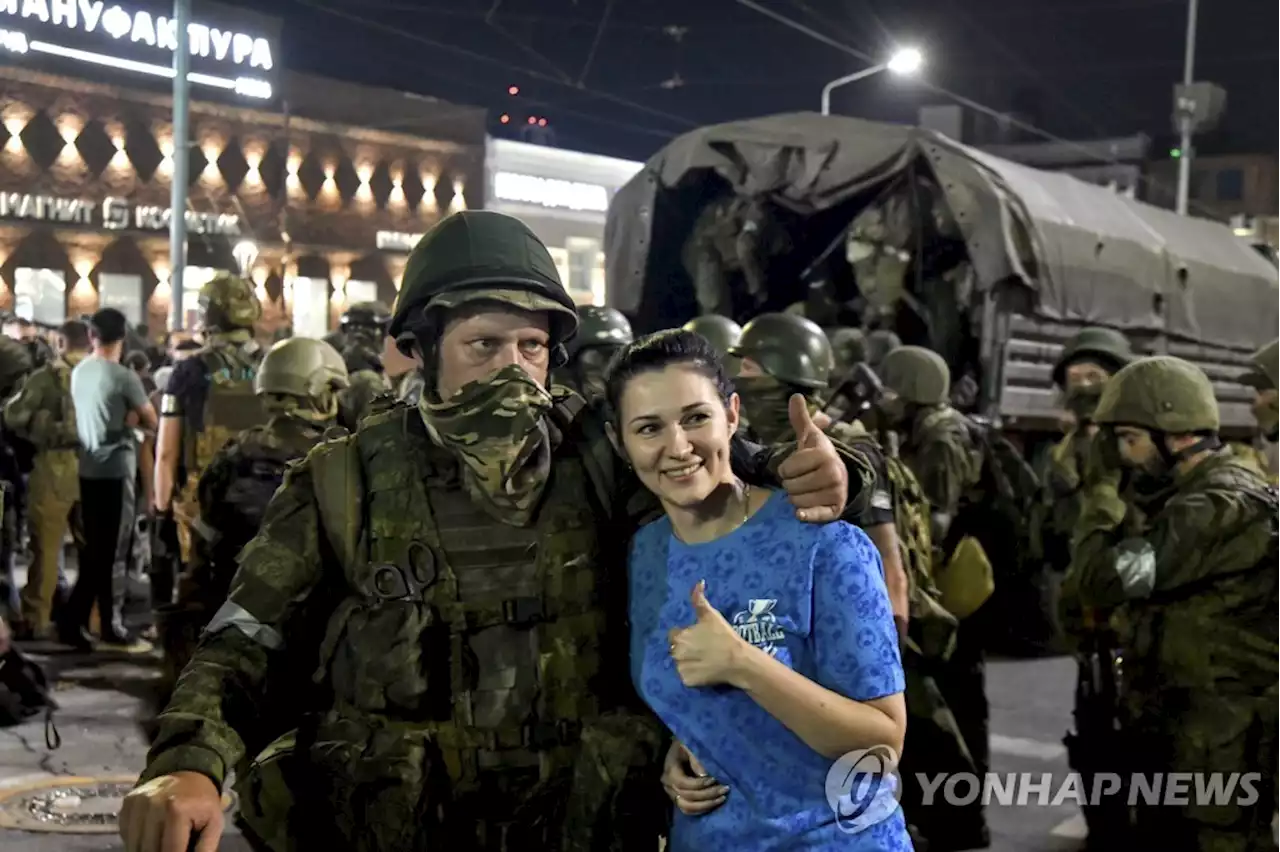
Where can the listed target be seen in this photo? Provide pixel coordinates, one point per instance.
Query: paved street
(101, 696)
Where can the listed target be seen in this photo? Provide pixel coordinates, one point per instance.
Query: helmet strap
(1172, 459)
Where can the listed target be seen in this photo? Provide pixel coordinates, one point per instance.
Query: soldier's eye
(533, 347)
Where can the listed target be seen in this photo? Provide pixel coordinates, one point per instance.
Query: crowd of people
(571, 588)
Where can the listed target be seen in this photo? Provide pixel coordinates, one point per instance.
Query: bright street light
(906, 61)
(903, 63)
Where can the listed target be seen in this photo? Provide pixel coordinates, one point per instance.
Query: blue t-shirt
(814, 597)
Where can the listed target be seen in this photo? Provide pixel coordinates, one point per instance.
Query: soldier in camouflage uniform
(782, 355)
(299, 381)
(364, 331)
(1080, 374)
(601, 333)
(208, 400)
(44, 414)
(1266, 405)
(452, 575)
(1197, 595)
(1087, 362)
(938, 445)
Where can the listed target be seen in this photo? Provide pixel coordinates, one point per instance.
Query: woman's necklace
(746, 503)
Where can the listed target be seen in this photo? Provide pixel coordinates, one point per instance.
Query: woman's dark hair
(658, 351)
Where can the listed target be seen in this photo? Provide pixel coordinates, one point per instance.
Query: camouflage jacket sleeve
(219, 696)
(943, 465)
(1196, 537)
(21, 412)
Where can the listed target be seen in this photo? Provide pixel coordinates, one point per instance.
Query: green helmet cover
(721, 332)
(1163, 394)
(917, 375)
(600, 326)
(301, 367)
(1107, 346)
(480, 255)
(789, 348)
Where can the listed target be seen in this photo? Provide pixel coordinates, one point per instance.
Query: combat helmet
(302, 367)
(848, 346)
(879, 344)
(1266, 363)
(600, 326)
(721, 332)
(1162, 394)
(366, 315)
(480, 255)
(789, 348)
(1107, 346)
(917, 375)
(228, 303)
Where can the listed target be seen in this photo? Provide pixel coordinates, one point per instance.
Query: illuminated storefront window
(361, 291)
(310, 304)
(40, 295)
(122, 292)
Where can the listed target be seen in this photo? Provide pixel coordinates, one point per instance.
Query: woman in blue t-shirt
(767, 645)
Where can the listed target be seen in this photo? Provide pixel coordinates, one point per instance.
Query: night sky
(1078, 68)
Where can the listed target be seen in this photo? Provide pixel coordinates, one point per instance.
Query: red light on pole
(542, 122)
(505, 118)
(513, 90)
(533, 120)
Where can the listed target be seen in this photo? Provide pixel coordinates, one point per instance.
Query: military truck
(991, 263)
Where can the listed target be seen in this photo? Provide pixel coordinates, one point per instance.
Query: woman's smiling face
(676, 430)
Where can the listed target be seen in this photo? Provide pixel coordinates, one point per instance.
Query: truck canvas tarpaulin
(1038, 254)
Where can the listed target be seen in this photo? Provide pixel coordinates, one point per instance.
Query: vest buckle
(542, 736)
(522, 612)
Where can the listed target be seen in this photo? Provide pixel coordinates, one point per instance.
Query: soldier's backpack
(230, 407)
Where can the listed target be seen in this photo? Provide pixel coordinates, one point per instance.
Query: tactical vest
(931, 626)
(230, 406)
(460, 638)
(65, 411)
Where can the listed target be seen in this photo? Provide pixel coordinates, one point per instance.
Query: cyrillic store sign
(396, 241)
(113, 214)
(230, 49)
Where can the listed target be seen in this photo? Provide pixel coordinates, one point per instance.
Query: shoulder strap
(580, 422)
(337, 480)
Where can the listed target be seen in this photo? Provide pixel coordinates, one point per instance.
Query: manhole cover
(69, 804)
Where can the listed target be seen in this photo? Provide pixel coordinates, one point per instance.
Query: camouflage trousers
(934, 746)
(327, 789)
(1204, 732)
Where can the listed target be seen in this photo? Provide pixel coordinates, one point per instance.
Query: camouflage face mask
(495, 426)
(1082, 401)
(764, 404)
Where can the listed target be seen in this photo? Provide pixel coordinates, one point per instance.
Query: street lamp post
(1185, 126)
(904, 63)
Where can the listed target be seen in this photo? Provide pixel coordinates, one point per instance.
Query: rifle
(166, 558)
(855, 394)
(1097, 743)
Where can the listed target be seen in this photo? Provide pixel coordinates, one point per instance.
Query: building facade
(1236, 188)
(301, 176)
(563, 196)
